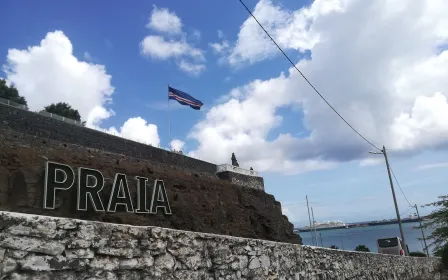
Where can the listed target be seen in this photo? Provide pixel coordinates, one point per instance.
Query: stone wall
(243, 180)
(37, 247)
(49, 128)
(199, 200)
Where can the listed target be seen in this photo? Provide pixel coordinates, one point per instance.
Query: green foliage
(438, 222)
(417, 254)
(333, 247)
(64, 110)
(443, 253)
(11, 93)
(362, 248)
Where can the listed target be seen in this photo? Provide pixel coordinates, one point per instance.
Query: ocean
(349, 238)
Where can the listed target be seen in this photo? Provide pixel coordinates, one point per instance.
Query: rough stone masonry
(39, 247)
(199, 201)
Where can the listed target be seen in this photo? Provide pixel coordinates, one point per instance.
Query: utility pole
(309, 217)
(320, 235)
(383, 152)
(395, 202)
(314, 226)
(423, 234)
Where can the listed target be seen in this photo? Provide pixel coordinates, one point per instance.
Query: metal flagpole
(169, 115)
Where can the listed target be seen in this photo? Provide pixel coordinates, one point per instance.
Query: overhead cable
(314, 88)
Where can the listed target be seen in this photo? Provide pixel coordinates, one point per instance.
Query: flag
(184, 98)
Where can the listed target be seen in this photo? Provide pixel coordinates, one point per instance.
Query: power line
(292, 63)
(391, 170)
(409, 209)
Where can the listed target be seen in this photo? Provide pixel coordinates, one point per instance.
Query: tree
(437, 220)
(362, 248)
(11, 93)
(64, 110)
(333, 247)
(417, 254)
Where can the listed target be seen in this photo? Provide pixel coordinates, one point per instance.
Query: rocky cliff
(199, 201)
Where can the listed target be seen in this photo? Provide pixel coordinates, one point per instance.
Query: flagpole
(169, 116)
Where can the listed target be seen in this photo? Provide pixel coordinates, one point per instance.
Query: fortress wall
(38, 247)
(199, 201)
(45, 127)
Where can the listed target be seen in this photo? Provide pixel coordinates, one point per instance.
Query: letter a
(159, 198)
(120, 194)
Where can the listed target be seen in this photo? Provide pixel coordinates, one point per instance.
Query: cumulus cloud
(162, 20)
(380, 64)
(291, 29)
(193, 69)
(169, 47)
(220, 48)
(158, 47)
(50, 73)
(139, 130)
(177, 145)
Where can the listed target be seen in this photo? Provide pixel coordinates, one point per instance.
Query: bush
(417, 254)
(443, 252)
(362, 248)
(11, 93)
(64, 110)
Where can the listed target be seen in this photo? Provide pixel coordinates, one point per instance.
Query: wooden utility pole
(423, 234)
(395, 202)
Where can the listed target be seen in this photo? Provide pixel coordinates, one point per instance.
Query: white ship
(329, 224)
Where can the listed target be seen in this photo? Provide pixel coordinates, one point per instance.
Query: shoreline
(360, 224)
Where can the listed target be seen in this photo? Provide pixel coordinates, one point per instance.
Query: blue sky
(94, 57)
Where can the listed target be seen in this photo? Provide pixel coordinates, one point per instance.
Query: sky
(383, 65)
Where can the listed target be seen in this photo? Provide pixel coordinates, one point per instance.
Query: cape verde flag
(184, 98)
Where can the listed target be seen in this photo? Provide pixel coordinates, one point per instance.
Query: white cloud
(177, 144)
(178, 47)
(219, 48)
(49, 73)
(378, 63)
(87, 56)
(222, 48)
(291, 30)
(158, 47)
(433, 166)
(196, 35)
(163, 20)
(288, 213)
(425, 127)
(220, 34)
(191, 68)
(138, 130)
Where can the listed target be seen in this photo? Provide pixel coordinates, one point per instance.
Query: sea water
(349, 238)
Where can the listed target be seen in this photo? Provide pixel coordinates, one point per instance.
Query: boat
(323, 226)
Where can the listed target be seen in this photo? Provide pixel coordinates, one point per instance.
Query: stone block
(79, 254)
(118, 252)
(9, 265)
(105, 263)
(16, 254)
(51, 263)
(32, 244)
